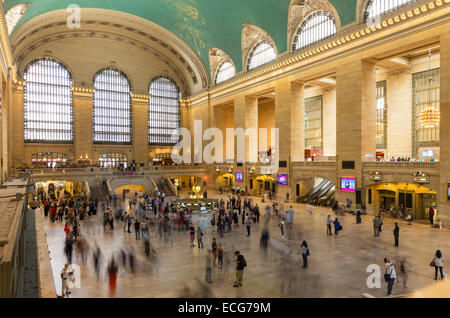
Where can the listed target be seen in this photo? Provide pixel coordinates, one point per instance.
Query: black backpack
(244, 263)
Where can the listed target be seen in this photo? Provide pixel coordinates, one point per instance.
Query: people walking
(214, 250)
(240, 265)
(396, 234)
(192, 235)
(199, 237)
(337, 227)
(358, 216)
(282, 227)
(112, 276)
(208, 276)
(389, 275)
(305, 254)
(403, 272)
(65, 291)
(248, 225)
(220, 255)
(431, 216)
(376, 226)
(329, 225)
(137, 229)
(438, 263)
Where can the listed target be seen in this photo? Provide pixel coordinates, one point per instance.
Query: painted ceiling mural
(203, 24)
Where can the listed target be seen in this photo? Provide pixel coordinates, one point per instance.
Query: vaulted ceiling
(202, 24)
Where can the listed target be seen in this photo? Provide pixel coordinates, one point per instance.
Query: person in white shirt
(390, 270)
(438, 261)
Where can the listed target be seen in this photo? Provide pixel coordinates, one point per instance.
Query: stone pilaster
(17, 130)
(245, 117)
(443, 197)
(140, 128)
(82, 122)
(290, 120)
(355, 120)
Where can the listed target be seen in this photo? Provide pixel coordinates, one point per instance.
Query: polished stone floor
(337, 267)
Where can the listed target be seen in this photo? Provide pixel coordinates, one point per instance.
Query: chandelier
(430, 117)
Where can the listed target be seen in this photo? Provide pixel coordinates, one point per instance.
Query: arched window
(163, 112)
(225, 72)
(48, 107)
(112, 107)
(316, 27)
(14, 15)
(261, 54)
(379, 7)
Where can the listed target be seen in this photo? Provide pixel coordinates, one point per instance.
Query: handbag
(387, 276)
(432, 264)
(340, 227)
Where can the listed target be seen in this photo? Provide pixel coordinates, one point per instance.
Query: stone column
(355, 120)
(17, 129)
(140, 128)
(443, 195)
(245, 116)
(290, 120)
(82, 122)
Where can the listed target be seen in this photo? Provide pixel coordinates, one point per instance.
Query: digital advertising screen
(282, 179)
(348, 184)
(239, 176)
(428, 153)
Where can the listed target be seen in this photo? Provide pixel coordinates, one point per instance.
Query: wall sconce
(376, 176)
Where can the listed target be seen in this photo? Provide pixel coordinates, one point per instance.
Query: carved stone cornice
(139, 98)
(82, 92)
(18, 86)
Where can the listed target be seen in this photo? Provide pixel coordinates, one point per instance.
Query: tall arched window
(225, 72)
(261, 54)
(112, 107)
(379, 7)
(316, 27)
(48, 107)
(164, 112)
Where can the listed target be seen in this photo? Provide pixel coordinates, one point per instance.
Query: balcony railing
(407, 165)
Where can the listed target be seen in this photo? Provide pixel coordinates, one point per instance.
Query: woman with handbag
(337, 227)
(305, 254)
(438, 263)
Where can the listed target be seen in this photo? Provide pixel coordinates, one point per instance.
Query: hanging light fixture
(430, 117)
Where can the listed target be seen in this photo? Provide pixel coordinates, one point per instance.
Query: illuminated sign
(282, 179)
(348, 184)
(239, 176)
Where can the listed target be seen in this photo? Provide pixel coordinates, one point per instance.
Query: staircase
(98, 192)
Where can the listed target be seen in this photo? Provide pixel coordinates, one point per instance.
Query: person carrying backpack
(240, 265)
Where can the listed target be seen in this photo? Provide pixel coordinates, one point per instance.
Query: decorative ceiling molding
(216, 58)
(14, 14)
(299, 10)
(120, 26)
(251, 36)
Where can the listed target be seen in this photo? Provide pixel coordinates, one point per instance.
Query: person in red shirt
(67, 230)
(431, 214)
(53, 212)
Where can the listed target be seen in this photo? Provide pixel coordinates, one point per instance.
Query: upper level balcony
(414, 166)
